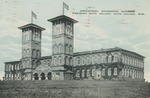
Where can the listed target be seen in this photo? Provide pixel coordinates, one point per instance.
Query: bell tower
(62, 47)
(31, 48)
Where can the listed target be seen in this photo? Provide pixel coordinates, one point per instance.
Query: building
(64, 64)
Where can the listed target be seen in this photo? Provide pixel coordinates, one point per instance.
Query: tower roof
(62, 17)
(31, 25)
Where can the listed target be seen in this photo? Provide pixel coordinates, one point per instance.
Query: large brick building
(64, 64)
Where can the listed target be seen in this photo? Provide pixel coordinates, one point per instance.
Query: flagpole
(31, 17)
(63, 8)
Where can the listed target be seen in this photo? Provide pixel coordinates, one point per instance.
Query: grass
(74, 89)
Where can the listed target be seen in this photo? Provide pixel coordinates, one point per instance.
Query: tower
(31, 49)
(62, 46)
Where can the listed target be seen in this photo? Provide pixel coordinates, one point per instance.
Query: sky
(93, 32)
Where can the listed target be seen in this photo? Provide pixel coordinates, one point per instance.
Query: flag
(65, 6)
(34, 15)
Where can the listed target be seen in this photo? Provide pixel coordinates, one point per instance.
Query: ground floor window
(42, 76)
(49, 76)
(36, 76)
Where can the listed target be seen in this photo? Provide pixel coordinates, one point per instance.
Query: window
(28, 63)
(28, 53)
(55, 49)
(60, 48)
(83, 73)
(66, 60)
(60, 60)
(70, 49)
(33, 53)
(38, 54)
(77, 73)
(109, 59)
(70, 61)
(66, 48)
(78, 61)
(109, 72)
(115, 71)
(103, 72)
(88, 73)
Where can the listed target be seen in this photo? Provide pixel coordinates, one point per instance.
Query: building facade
(64, 64)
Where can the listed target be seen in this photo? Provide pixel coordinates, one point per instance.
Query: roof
(62, 17)
(105, 50)
(12, 62)
(58, 68)
(43, 67)
(45, 57)
(28, 70)
(31, 25)
(68, 71)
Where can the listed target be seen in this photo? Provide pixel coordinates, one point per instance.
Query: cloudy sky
(93, 32)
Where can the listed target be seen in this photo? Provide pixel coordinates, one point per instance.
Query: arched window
(49, 76)
(33, 53)
(83, 60)
(78, 60)
(36, 76)
(60, 48)
(103, 72)
(93, 72)
(109, 71)
(93, 59)
(123, 59)
(104, 59)
(38, 53)
(12, 67)
(98, 59)
(36, 36)
(66, 48)
(88, 72)
(109, 58)
(28, 63)
(98, 72)
(89, 60)
(28, 53)
(42, 76)
(70, 49)
(83, 73)
(66, 60)
(69, 28)
(77, 74)
(60, 60)
(55, 61)
(115, 71)
(55, 51)
(115, 58)
(58, 29)
(34, 64)
(70, 61)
